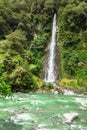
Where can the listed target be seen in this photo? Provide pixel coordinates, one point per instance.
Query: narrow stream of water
(50, 66)
(42, 112)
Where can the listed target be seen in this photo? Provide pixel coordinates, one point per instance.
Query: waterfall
(50, 68)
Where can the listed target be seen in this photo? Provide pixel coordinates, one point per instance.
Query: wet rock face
(58, 62)
(69, 117)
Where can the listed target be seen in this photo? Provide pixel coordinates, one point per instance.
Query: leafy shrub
(5, 89)
(82, 83)
(68, 82)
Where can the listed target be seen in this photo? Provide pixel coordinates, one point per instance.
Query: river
(43, 112)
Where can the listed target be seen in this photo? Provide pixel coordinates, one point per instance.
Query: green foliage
(73, 40)
(39, 43)
(25, 29)
(70, 40)
(23, 79)
(22, 60)
(5, 89)
(75, 16)
(37, 48)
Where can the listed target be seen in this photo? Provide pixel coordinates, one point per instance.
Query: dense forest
(25, 29)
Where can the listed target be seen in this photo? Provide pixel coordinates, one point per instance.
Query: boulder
(69, 117)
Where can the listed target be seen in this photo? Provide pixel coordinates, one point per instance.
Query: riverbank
(49, 88)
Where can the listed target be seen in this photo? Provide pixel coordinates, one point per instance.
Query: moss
(72, 84)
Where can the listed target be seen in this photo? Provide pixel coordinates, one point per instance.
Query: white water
(50, 75)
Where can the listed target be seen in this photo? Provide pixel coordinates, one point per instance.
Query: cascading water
(50, 72)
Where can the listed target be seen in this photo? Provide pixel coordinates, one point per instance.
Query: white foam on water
(8, 110)
(37, 102)
(82, 101)
(9, 97)
(78, 127)
(21, 118)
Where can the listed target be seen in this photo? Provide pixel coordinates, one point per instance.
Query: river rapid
(43, 112)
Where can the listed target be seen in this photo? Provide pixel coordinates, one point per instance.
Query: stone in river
(69, 117)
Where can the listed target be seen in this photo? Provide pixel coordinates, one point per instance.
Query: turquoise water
(42, 112)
